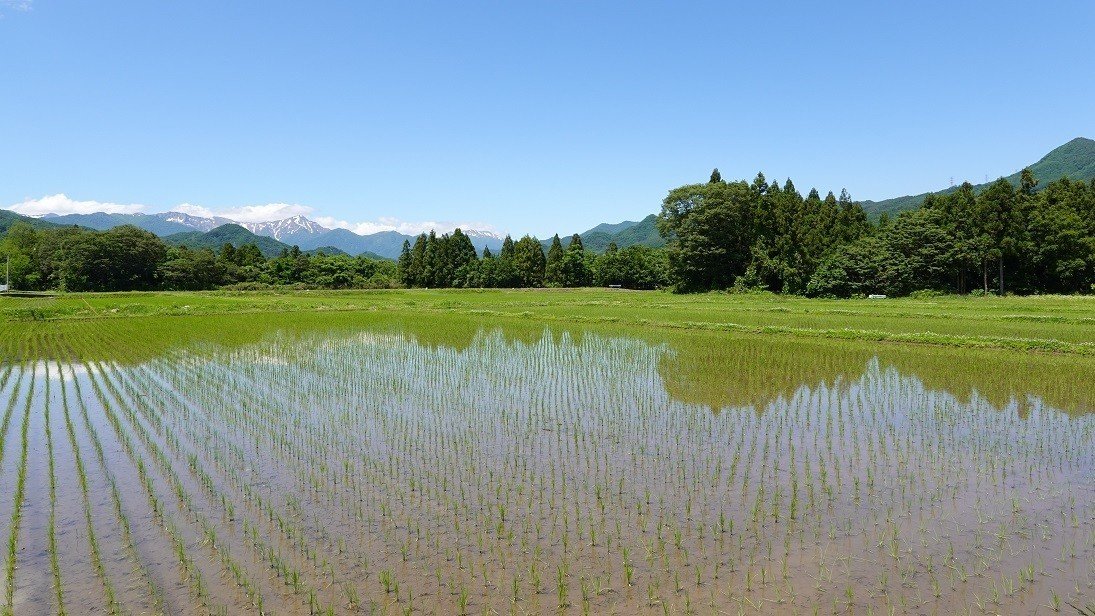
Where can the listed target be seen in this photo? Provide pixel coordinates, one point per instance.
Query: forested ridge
(718, 235)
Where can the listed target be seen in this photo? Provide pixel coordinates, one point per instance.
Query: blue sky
(526, 117)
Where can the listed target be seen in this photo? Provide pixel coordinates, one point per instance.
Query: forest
(742, 236)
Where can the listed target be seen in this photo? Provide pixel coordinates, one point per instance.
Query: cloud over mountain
(61, 204)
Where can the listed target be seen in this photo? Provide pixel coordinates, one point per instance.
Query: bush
(926, 294)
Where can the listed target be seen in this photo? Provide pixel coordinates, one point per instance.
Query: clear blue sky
(532, 117)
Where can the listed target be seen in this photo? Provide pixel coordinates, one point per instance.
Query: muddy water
(574, 472)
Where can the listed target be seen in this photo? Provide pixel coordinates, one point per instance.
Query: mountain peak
(286, 229)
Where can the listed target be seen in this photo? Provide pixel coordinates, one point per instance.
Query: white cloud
(406, 227)
(193, 210)
(62, 204)
(248, 213)
(21, 6)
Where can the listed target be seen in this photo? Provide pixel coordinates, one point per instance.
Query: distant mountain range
(194, 231)
(236, 235)
(1074, 160)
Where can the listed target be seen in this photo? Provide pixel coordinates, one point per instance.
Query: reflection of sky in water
(507, 395)
(587, 378)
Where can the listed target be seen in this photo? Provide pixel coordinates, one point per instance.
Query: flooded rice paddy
(373, 470)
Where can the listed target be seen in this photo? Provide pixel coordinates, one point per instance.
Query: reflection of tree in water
(727, 371)
(706, 368)
(717, 371)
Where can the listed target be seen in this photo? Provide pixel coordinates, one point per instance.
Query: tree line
(761, 235)
(719, 235)
(450, 261)
(1005, 239)
(127, 258)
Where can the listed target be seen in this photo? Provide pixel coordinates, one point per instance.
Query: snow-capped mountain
(197, 223)
(287, 229)
(483, 235)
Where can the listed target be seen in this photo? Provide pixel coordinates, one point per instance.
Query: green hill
(9, 218)
(611, 228)
(226, 234)
(624, 234)
(1075, 160)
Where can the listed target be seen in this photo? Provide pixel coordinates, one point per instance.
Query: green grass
(1053, 323)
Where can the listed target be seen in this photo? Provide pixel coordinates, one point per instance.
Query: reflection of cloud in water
(55, 371)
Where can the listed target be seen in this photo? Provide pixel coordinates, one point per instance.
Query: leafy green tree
(574, 268)
(553, 268)
(857, 269)
(406, 264)
(19, 250)
(634, 267)
(1063, 258)
(431, 274)
(505, 273)
(709, 233)
(191, 270)
(529, 262)
(997, 228)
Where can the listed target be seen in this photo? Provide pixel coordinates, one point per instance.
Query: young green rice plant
(51, 529)
(16, 515)
(561, 589)
(462, 602)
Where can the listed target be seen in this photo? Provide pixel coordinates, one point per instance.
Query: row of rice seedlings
(147, 404)
(51, 529)
(153, 392)
(212, 439)
(153, 398)
(280, 518)
(112, 603)
(17, 507)
(192, 574)
(9, 409)
(120, 514)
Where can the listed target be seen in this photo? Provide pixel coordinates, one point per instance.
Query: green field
(547, 451)
(1048, 323)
